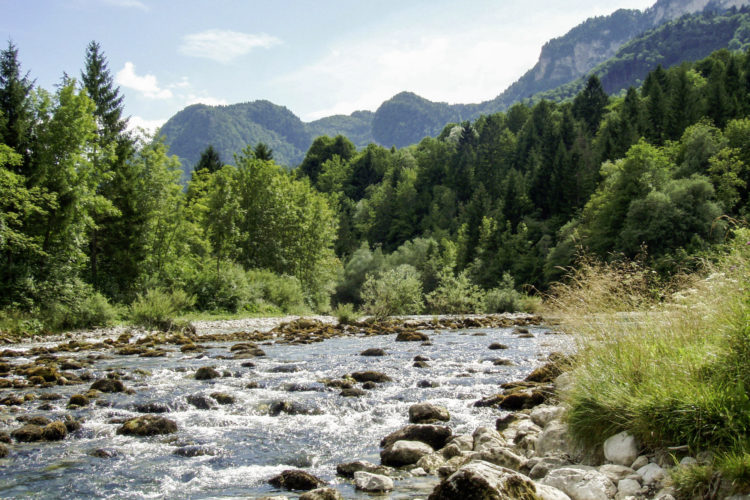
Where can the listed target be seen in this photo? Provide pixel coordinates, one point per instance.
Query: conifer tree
(15, 105)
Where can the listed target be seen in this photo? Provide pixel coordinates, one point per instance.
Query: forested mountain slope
(609, 43)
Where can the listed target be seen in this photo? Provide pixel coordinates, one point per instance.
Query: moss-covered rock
(147, 425)
(294, 479)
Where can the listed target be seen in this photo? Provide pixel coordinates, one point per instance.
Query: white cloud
(224, 45)
(211, 101)
(137, 4)
(136, 122)
(146, 84)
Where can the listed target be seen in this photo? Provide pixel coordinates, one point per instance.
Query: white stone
(431, 462)
(502, 456)
(627, 487)
(418, 472)
(546, 492)
(485, 438)
(621, 449)
(581, 484)
(688, 461)
(372, 482)
(489, 481)
(616, 472)
(544, 414)
(651, 473)
(553, 440)
(639, 462)
(463, 441)
(404, 453)
(564, 381)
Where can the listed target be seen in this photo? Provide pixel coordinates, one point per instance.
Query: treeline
(93, 216)
(515, 197)
(95, 221)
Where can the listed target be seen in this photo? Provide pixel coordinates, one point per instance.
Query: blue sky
(317, 58)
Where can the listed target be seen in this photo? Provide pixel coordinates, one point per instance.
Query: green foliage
(158, 308)
(503, 298)
(89, 310)
(395, 292)
(455, 295)
(345, 314)
(222, 288)
(283, 292)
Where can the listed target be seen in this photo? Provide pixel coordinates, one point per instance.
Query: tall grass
(667, 362)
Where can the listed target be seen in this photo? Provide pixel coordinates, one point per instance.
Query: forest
(97, 226)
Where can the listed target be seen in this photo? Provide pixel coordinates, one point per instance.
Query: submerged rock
(201, 402)
(147, 425)
(4, 450)
(294, 479)
(194, 451)
(223, 398)
(352, 393)
(151, 407)
(496, 346)
(348, 469)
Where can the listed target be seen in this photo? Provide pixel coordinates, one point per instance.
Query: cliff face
(589, 44)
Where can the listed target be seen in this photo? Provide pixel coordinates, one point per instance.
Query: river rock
(5, 437)
(496, 346)
(427, 384)
(544, 414)
(191, 451)
(352, 393)
(373, 351)
(206, 373)
(201, 402)
(411, 336)
(348, 469)
(370, 376)
(223, 398)
(616, 472)
(542, 466)
(481, 481)
(421, 364)
(427, 413)
(108, 385)
(621, 449)
(546, 492)
(288, 407)
(639, 462)
(503, 456)
(294, 479)
(151, 407)
(55, 431)
(651, 473)
(485, 438)
(581, 484)
(29, 433)
(436, 436)
(366, 481)
(627, 487)
(147, 425)
(553, 440)
(404, 453)
(285, 369)
(432, 462)
(322, 494)
(4, 450)
(421, 358)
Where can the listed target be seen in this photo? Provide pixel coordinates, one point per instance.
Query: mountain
(621, 48)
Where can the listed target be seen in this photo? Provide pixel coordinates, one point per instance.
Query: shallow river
(246, 446)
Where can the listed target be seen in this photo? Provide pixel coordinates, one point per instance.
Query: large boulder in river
(54, 431)
(436, 436)
(427, 413)
(404, 453)
(373, 351)
(29, 433)
(294, 479)
(484, 481)
(147, 425)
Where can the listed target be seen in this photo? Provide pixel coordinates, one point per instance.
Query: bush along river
(220, 413)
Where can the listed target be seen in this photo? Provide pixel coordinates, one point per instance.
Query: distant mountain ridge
(406, 118)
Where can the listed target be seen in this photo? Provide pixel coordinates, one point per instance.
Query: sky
(316, 57)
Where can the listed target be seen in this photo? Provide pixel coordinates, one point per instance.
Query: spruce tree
(15, 105)
(210, 160)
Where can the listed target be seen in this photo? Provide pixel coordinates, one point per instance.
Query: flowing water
(244, 446)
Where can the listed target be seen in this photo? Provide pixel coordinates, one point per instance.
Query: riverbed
(231, 450)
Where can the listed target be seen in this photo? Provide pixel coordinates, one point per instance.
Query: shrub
(158, 308)
(93, 310)
(226, 289)
(397, 291)
(455, 295)
(272, 291)
(345, 314)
